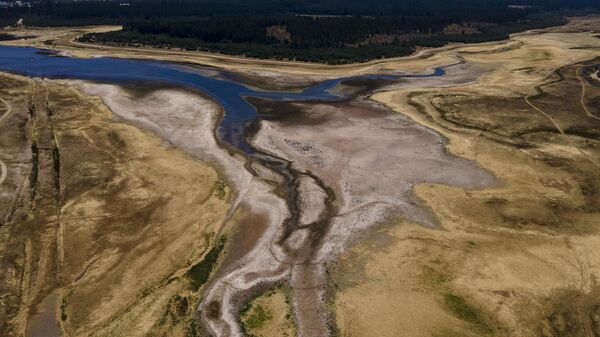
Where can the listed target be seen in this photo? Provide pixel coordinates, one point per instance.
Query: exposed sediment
(367, 159)
(188, 121)
(328, 172)
(318, 181)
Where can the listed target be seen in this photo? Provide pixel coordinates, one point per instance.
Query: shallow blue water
(37, 63)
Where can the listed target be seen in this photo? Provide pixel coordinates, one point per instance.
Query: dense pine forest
(316, 39)
(308, 30)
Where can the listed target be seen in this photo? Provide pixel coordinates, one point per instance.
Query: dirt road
(559, 128)
(582, 99)
(3, 170)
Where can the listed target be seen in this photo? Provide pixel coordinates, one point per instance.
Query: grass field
(512, 260)
(102, 241)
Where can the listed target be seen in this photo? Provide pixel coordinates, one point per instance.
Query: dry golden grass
(394, 283)
(133, 215)
(270, 315)
(515, 259)
(140, 226)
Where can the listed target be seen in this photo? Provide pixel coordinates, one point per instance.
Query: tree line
(332, 40)
(64, 12)
(308, 31)
(332, 31)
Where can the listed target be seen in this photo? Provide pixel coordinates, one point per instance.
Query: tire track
(3, 169)
(582, 99)
(8, 109)
(558, 127)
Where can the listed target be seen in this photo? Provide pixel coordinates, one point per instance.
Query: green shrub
(200, 272)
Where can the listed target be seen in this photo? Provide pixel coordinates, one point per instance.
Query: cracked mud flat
(370, 158)
(343, 167)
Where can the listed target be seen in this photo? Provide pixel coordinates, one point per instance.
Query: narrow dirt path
(562, 132)
(8, 109)
(545, 115)
(3, 169)
(582, 99)
(3, 172)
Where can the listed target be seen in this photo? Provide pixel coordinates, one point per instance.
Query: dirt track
(4, 172)
(3, 169)
(583, 90)
(8, 110)
(555, 123)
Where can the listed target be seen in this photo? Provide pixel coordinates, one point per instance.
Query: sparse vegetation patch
(200, 272)
(458, 306)
(34, 169)
(269, 314)
(219, 190)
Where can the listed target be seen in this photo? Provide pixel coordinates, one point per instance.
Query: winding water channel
(287, 258)
(229, 94)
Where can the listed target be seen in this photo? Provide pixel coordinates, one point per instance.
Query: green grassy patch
(219, 190)
(434, 277)
(56, 161)
(34, 169)
(460, 308)
(258, 313)
(200, 272)
(257, 317)
(63, 309)
(116, 140)
(192, 330)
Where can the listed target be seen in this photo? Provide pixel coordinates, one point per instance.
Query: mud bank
(368, 159)
(322, 174)
(188, 121)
